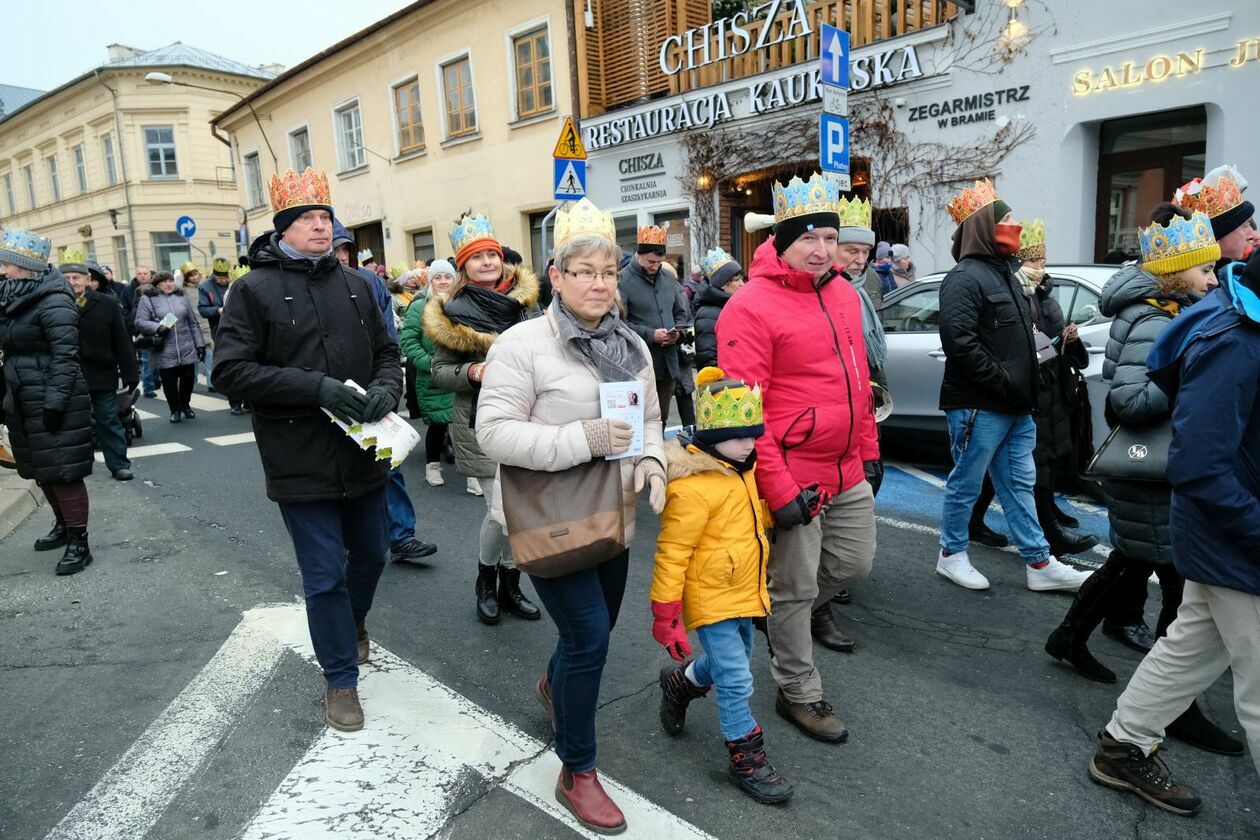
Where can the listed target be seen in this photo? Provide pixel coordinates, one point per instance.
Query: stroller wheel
(139, 430)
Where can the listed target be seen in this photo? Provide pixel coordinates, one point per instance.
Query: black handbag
(1134, 453)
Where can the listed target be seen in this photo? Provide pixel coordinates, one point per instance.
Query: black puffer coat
(39, 340)
(1056, 391)
(105, 349)
(707, 304)
(285, 326)
(1137, 512)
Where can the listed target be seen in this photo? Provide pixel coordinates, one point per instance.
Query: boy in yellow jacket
(711, 575)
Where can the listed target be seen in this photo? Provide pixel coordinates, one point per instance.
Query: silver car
(916, 363)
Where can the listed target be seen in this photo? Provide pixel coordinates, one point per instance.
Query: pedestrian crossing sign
(570, 179)
(569, 146)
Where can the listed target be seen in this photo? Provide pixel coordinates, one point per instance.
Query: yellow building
(109, 161)
(443, 106)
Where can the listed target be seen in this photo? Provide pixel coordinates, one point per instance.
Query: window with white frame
(159, 151)
(531, 52)
(457, 89)
(122, 269)
(80, 169)
(253, 180)
(30, 185)
(407, 114)
(300, 148)
(8, 193)
(107, 150)
(54, 183)
(349, 130)
(422, 245)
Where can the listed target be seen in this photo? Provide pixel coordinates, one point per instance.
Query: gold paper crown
(1032, 240)
(187, 267)
(972, 199)
(72, 256)
(728, 404)
(1210, 198)
(804, 198)
(585, 219)
(294, 190)
(1183, 244)
(236, 272)
(221, 265)
(854, 212)
(653, 235)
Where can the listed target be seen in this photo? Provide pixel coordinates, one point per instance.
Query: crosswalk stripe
(231, 440)
(201, 402)
(151, 449)
(146, 415)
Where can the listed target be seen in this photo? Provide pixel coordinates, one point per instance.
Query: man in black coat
(210, 296)
(106, 355)
(989, 393)
(654, 309)
(292, 332)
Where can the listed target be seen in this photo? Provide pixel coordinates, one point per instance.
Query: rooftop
(13, 97)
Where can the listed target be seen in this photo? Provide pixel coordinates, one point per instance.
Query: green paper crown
(733, 405)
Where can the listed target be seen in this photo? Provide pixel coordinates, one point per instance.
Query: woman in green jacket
(436, 405)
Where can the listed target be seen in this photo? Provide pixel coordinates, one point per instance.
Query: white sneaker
(433, 475)
(958, 568)
(474, 487)
(1055, 576)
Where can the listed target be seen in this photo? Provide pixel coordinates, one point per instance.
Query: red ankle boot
(585, 798)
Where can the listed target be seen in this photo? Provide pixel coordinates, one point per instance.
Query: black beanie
(289, 215)
(724, 273)
(1000, 209)
(1231, 220)
(659, 250)
(789, 230)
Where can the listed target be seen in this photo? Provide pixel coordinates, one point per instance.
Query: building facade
(445, 106)
(109, 161)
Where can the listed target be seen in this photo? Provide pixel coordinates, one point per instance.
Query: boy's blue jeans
(725, 665)
(1003, 445)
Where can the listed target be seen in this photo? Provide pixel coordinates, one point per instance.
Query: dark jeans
(409, 383)
(686, 408)
(340, 549)
(109, 430)
(402, 513)
(177, 385)
(584, 607)
(69, 501)
(1128, 593)
(148, 373)
(434, 440)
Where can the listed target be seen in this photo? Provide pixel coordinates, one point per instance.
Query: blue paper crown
(24, 248)
(714, 260)
(1184, 244)
(471, 229)
(802, 198)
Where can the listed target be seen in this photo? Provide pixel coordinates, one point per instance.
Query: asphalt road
(961, 727)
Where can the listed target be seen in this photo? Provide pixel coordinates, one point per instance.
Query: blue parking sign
(833, 143)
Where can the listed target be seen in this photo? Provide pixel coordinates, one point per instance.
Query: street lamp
(158, 78)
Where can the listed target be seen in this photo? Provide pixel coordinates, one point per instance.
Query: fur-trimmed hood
(683, 461)
(444, 332)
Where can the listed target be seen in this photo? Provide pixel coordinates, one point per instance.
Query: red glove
(667, 628)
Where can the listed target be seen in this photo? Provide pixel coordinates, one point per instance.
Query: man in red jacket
(795, 329)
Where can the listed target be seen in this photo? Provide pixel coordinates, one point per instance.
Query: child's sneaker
(753, 773)
(676, 692)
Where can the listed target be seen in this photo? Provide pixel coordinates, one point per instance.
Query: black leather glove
(201, 354)
(54, 419)
(874, 474)
(378, 403)
(799, 511)
(343, 401)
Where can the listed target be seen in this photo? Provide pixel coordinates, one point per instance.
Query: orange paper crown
(972, 199)
(294, 190)
(653, 235)
(1212, 199)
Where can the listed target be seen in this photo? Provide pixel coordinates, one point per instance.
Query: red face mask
(1007, 237)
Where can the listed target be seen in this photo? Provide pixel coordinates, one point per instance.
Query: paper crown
(972, 199)
(1183, 244)
(803, 198)
(73, 256)
(653, 234)
(470, 235)
(1218, 192)
(1032, 240)
(714, 260)
(584, 219)
(294, 190)
(236, 272)
(187, 267)
(854, 212)
(220, 266)
(365, 255)
(726, 407)
(24, 249)
(398, 270)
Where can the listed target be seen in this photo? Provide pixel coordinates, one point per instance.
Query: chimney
(121, 52)
(272, 69)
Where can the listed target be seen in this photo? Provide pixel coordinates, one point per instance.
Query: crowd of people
(766, 496)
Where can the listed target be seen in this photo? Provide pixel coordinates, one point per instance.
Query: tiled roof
(13, 97)
(180, 54)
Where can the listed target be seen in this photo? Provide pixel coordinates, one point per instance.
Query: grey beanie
(900, 252)
(857, 236)
(882, 251)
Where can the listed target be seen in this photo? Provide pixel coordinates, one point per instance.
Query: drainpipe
(122, 157)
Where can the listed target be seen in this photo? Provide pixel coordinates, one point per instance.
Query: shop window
(457, 88)
(627, 228)
(170, 250)
(407, 112)
(532, 54)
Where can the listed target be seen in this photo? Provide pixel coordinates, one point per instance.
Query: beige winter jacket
(534, 396)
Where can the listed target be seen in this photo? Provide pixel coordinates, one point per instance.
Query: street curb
(18, 499)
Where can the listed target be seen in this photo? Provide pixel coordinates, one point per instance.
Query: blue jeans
(725, 665)
(340, 549)
(109, 430)
(584, 607)
(1001, 444)
(402, 513)
(148, 374)
(208, 364)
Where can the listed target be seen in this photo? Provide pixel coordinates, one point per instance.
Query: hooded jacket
(1208, 361)
(707, 305)
(210, 295)
(105, 349)
(286, 325)
(802, 343)
(712, 550)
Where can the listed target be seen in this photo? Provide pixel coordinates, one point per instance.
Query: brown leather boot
(342, 710)
(817, 720)
(365, 647)
(1126, 767)
(585, 798)
(822, 624)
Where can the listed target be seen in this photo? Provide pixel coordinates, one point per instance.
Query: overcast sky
(50, 42)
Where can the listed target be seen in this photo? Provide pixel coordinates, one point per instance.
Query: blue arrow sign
(833, 143)
(186, 227)
(570, 179)
(833, 53)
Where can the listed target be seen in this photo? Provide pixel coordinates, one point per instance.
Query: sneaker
(1055, 577)
(410, 551)
(958, 568)
(1125, 767)
(237, 411)
(474, 487)
(433, 474)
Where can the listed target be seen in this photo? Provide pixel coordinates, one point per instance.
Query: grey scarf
(612, 346)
